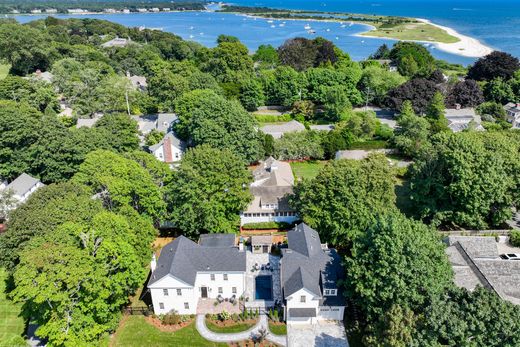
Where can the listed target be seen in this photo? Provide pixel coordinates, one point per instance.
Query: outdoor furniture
(268, 266)
(263, 267)
(220, 299)
(233, 299)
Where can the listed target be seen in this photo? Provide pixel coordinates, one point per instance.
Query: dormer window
(330, 292)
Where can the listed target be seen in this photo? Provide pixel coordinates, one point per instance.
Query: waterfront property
(272, 186)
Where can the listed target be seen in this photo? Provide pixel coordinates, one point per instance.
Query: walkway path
(235, 337)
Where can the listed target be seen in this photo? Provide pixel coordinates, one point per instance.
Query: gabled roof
(305, 265)
(22, 184)
(217, 240)
(165, 121)
(277, 130)
(173, 140)
(183, 258)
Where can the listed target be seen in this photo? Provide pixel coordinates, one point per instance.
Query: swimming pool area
(263, 288)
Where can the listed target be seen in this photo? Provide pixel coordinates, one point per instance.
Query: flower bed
(231, 323)
(170, 322)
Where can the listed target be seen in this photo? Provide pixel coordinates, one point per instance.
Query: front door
(204, 292)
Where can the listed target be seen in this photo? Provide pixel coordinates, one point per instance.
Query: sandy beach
(467, 46)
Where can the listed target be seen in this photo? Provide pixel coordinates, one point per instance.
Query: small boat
(351, 24)
(362, 41)
(328, 30)
(307, 27)
(191, 28)
(337, 38)
(311, 31)
(281, 25)
(191, 36)
(269, 21)
(273, 26)
(201, 34)
(343, 25)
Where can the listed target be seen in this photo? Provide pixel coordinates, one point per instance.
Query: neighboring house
(165, 121)
(88, 122)
(278, 130)
(391, 66)
(459, 119)
(117, 42)
(309, 277)
(476, 262)
(43, 76)
(323, 127)
(271, 188)
(23, 186)
(513, 114)
(169, 150)
(187, 273)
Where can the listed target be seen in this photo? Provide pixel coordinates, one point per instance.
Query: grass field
(4, 69)
(136, 332)
(11, 325)
(237, 328)
(278, 329)
(413, 32)
(307, 169)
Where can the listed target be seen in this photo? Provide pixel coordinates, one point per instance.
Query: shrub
(224, 315)
(269, 118)
(234, 317)
(171, 318)
(515, 238)
(276, 315)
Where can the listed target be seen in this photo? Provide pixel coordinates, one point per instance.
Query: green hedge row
(371, 144)
(269, 118)
(266, 226)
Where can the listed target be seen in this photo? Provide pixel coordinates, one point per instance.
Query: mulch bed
(156, 322)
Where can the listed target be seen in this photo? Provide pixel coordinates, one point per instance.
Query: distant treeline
(8, 6)
(299, 14)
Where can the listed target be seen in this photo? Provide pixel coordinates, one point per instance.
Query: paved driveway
(322, 334)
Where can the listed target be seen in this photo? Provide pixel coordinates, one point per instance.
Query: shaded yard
(135, 331)
(11, 324)
(307, 169)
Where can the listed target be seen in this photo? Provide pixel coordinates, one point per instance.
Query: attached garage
(331, 312)
(301, 315)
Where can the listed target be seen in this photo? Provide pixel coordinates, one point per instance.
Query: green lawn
(307, 169)
(11, 324)
(278, 329)
(237, 328)
(136, 332)
(4, 69)
(414, 32)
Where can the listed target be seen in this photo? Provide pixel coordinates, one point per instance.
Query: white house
(169, 150)
(309, 275)
(187, 272)
(22, 187)
(513, 114)
(460, 119)
(272, 186)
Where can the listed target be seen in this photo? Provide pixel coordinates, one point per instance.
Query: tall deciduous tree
(419, 91)
(342, 200)
(494, 65)
(412, 132)
(468, 179)
(396, 261)
(208, 190)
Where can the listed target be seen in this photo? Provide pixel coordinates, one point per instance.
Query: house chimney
(153, 263)
(241, 245)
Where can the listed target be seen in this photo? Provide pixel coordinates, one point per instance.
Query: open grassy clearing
(136, 332)
(307, 169)
(4, 70)
(11, 324)
(413, 32)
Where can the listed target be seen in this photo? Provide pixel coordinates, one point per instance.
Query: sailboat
(307, 27)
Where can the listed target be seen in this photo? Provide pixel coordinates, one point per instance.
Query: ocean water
(496, 24)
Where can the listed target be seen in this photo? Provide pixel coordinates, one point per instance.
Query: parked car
(510, 256)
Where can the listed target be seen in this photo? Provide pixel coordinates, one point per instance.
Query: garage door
(334, 313)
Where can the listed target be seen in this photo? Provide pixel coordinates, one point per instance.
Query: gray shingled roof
(475, 261)
(306, 265)
(22, 184)
(183, 258)
(302, 312)
(174, 140)
(278, 130)
(217, 240)
(165, 121)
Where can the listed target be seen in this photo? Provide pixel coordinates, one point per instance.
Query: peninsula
(385, 27)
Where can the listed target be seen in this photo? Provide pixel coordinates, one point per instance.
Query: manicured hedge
(515, 238)
(269, 118)
(371, 144)
(266, 225)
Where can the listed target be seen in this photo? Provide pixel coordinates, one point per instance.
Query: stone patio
(262, 259)
(208, 306)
